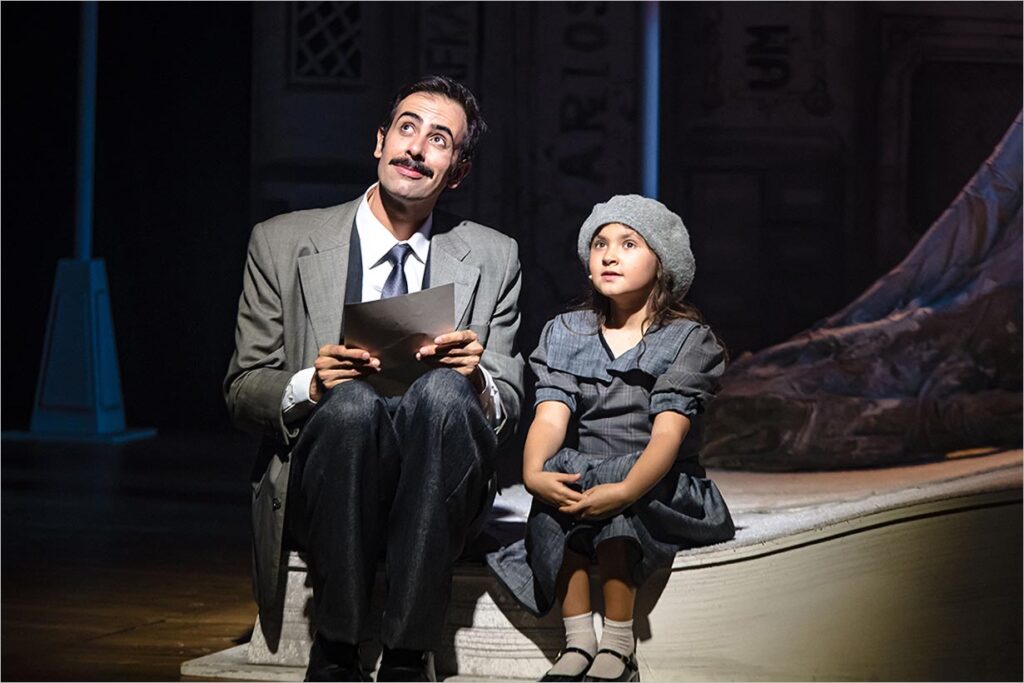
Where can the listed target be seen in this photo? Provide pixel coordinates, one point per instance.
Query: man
(361, 475)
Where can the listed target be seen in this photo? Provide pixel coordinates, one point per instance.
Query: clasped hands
(337, 363)
(598, 502)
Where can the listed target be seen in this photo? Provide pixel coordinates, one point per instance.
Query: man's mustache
(413, 165)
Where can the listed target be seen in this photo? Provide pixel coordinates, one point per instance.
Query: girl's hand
(552, 487)
(604, 500)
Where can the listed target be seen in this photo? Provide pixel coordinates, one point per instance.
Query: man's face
(419, 153)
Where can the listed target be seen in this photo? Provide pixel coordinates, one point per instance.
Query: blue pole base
(78, 395)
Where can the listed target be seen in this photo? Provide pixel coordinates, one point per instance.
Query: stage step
(896, 574)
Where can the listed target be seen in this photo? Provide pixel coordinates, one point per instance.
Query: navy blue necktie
(396, 284)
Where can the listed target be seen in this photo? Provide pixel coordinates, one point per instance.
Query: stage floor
(122, 562)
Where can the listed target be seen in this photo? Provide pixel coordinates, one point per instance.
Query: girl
(627, 376)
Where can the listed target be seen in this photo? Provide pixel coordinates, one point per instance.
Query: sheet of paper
(394, 329)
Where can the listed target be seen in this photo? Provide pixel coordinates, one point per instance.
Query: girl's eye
(630, 244)
(598, 244)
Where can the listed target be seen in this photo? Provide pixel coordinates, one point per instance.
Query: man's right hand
(552, 487)
(336, 364)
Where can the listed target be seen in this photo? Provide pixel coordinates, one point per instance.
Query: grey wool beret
(663, 231)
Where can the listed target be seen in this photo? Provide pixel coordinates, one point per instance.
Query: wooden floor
(120, 562)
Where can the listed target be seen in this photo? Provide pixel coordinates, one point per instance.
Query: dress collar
(575, 346)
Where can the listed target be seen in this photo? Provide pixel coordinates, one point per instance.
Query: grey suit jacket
(292, 303)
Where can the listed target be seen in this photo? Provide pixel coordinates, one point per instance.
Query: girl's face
(622, 266)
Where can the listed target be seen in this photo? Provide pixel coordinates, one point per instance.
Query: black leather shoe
(334, 662)
(406, 665)
(563, 677)
(630, 672)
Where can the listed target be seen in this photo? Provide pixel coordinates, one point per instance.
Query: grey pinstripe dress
(613, 403)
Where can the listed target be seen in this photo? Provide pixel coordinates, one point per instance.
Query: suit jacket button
(276, 503)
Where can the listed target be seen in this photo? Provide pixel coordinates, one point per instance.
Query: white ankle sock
(617, 636)
(579, 632)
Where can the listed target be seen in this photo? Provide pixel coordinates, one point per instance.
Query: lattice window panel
(326, 43)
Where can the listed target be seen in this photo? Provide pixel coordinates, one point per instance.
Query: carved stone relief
(583, 111)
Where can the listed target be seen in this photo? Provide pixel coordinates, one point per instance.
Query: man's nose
(415, 147)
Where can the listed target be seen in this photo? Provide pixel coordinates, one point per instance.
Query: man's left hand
(459, 351)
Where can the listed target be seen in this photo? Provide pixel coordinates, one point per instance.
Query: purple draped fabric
(926, 361)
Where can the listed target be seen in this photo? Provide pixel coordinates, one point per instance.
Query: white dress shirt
(375, 241)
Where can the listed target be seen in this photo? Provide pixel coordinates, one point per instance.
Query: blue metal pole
(86, 131)
(78, 395)
(651, 86)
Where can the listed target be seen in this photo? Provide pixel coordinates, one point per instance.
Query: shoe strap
(586, 655)
(628, 661)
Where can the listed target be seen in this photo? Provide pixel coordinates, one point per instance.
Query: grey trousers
(403, 477)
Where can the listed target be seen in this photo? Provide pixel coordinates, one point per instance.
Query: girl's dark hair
(666, 307)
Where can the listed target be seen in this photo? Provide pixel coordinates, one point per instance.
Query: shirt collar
(375, 240)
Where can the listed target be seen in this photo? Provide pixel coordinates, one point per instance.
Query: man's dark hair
(453, 90)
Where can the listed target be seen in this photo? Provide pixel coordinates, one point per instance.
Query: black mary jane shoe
(563, 677)
(631, 671)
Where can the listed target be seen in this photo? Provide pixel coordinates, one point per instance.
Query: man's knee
(348, 403)
(445, 404)
(442, 391)
(347, 422)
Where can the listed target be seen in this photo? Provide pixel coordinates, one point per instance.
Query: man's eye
(440, 140)
(405, 127)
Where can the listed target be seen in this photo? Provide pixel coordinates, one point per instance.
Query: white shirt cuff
(490, 400)
(295, 403)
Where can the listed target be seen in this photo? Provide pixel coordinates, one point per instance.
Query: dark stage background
(806, 145)
(172, 184)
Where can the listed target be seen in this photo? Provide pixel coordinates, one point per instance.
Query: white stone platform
(895, 574)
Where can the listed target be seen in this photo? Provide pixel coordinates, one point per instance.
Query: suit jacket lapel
(447, 252)
(323, 274)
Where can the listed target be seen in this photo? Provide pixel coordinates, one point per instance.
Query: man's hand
(552, 487)
(336, 364)
(599, 502)
(459, 351)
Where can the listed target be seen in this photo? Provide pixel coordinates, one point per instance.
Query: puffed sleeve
(552, 384)
(692, 378)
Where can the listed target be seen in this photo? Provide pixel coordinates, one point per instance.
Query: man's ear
(378, 151)
(458, 174)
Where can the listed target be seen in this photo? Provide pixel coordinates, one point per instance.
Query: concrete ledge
(898, 573)
(233, 665)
